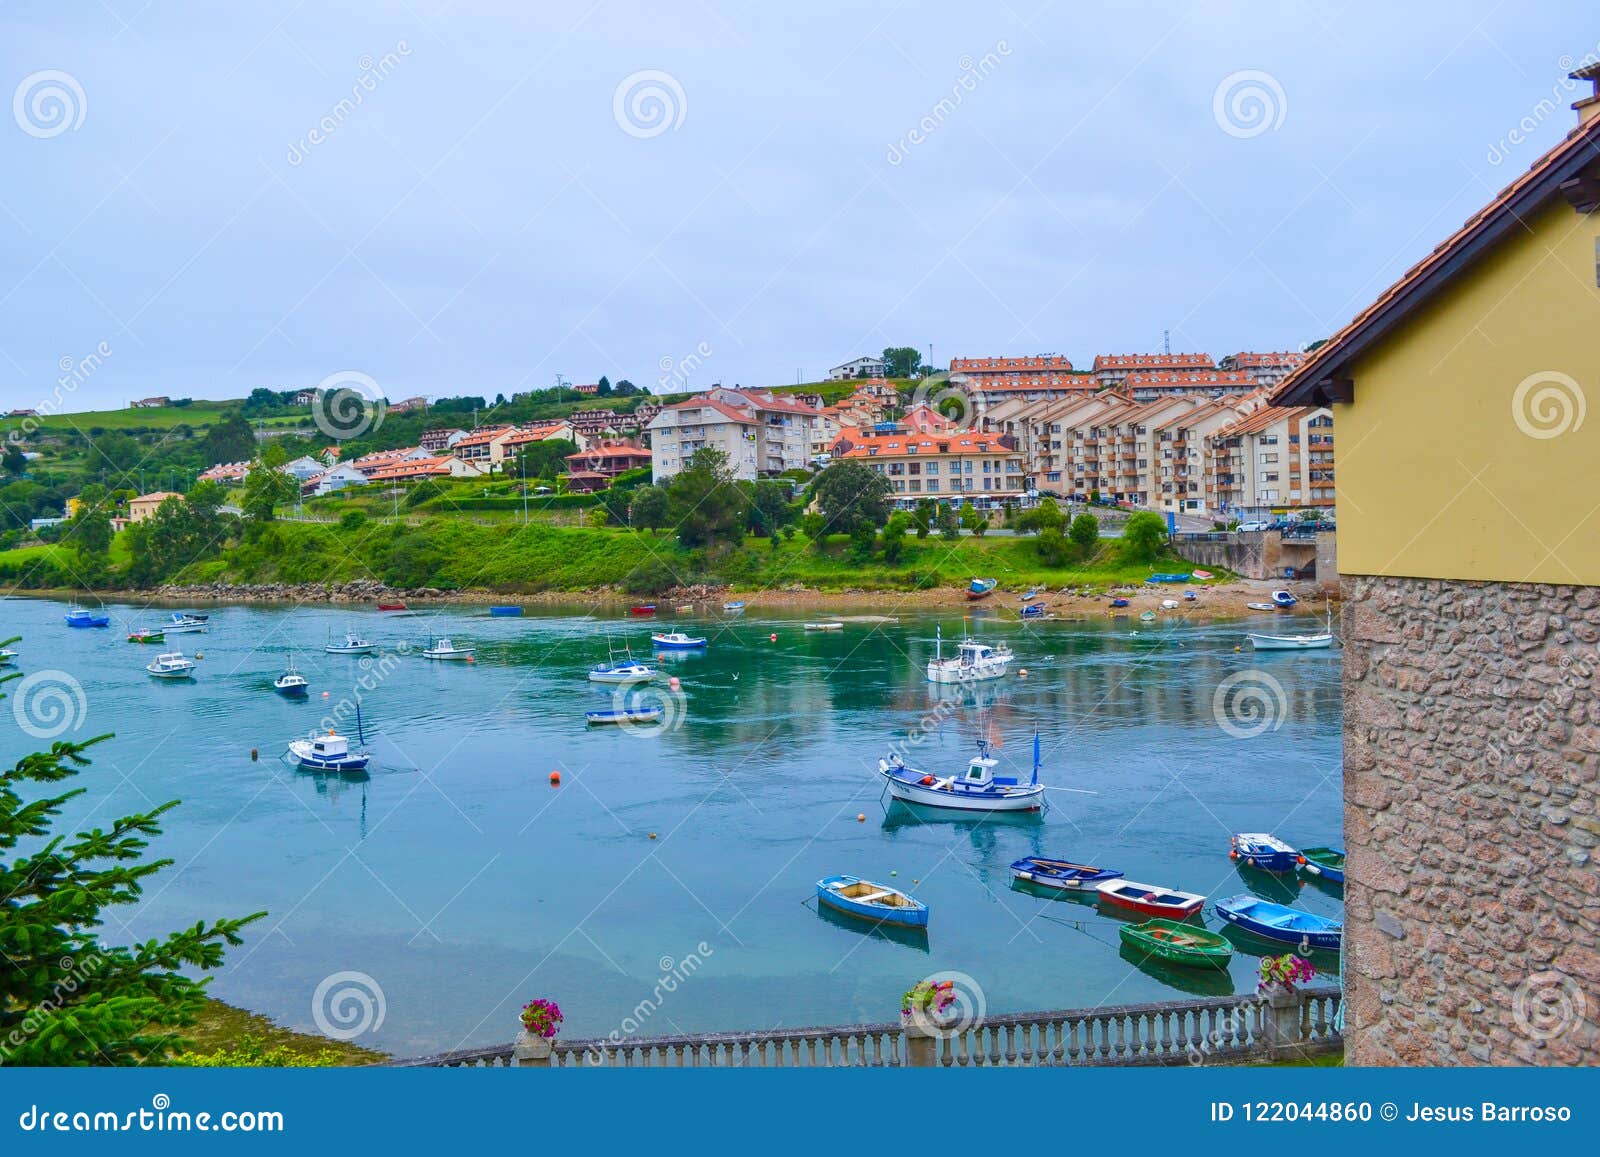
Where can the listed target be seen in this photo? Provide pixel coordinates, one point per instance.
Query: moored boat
(1062, 874)
(978, 789)
(77, 616)
(1261, 606)
(871, 901)
(642, 609)
(1282, 923)
(1151, 900)
(677, 641)
(507, 612)
(183, 623)
(1178, 943)
(395, 610)
(1147, 616)
(1033, 610)
(1318, 640)
(291, 684)
(650, 714)
(7, 657)
(330, 752)
(981, 588)
(171, 665)
(1262, 851)
(825, 626)
(622, 671)
(353, 644)
(974, 662)
(1324, 863)
(733, 607)
(147, 635)
(442, 648)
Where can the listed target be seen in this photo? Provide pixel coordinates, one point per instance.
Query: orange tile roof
(1189, 378)
(1152, 361)
(723, 408)
(1254, 423)
(414, 468)
(1266, 360)
(527, 434)
(485, 435)
(891, 445)
(1009, 365)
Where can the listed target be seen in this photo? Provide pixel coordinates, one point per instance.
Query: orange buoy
(254, 755)
(1022, 673)
(469, 659)
(652, 835)
(861, 817)
(324, 694)
(673, 683)
(555, 778)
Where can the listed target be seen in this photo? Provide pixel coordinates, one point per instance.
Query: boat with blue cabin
(979, 789)
(1263, 851)
(1062, 874)
(1032, 610)
(622, 671)
(291, 684)
(1282, 923)
(184, 623)
(330, 752)
(871, 901)
(981, 588)
(677, 641)
(77, 616)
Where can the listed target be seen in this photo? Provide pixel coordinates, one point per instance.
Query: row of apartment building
(1144, 376)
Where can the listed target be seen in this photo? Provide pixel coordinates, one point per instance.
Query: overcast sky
(523, 190)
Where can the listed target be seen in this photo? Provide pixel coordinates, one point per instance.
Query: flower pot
(531, 1047)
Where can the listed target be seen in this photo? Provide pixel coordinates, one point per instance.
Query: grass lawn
(231, 1036)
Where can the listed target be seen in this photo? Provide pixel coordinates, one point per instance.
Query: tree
(894, 537)
(949, 523)
(1085, 532)
(265, 488)
(850, 493)
(973, 520)
(230, 440)
(815, 528)
(1052, 546)
(862, 539)
(648, 510)
(704, 503)
(901, 361)
(115, 454)
(922, 517)
(604, 388)
(70, 999)
(1144, 536)
(1046, 515)
(769, 506)
(543, 459)
(13, 461)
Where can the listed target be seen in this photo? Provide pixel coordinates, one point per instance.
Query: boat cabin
(330, 747)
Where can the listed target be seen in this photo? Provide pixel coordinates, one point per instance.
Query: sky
(454, 197)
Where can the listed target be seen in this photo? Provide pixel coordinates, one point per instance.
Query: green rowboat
(1178, 943)
(1327, 863)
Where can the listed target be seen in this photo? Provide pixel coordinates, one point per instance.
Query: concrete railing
(1221, 1029)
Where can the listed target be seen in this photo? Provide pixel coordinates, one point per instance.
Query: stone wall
(1472, 743)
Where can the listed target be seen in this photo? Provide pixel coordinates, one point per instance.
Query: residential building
(1261, 461)
(1113, 369)
(436, 466)
(333, 479)
(440, 439)
(305, 398)
(485, 446)
(1147, 385)
(225, 472)
(588, 388)
(407, 405)
(150, 403)
(1266, 369)
(72, 506)
(686, 427)
(370, 464)
(867, 367)
(303, 469)
(1471, 574)
(997, 379)
(145, 505)
(954, 467)
(542, 432)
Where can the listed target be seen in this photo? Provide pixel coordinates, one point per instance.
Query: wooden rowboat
(1324, 863)
(1151, 900)
(1178, 943)
(1282, 923)
(1062, 874)
(877, 902)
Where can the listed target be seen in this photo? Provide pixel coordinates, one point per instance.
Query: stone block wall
(1472, 747)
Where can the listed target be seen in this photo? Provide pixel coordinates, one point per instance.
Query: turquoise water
(463, 884)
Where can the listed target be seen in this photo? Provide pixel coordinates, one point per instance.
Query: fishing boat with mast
(291, 684)
(78, 616)
(978, 789)
(624, 670)
(330, 752)
(443, 649)
(974, 662)
(147, 635)
(353, 644)
(1317, 640)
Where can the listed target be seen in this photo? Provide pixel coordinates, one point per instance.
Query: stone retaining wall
(1472, 744)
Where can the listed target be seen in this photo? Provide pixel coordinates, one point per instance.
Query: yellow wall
(1438, 473)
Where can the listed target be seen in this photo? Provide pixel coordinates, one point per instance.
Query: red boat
(391, 606)
(1150, 900)
(643, 609)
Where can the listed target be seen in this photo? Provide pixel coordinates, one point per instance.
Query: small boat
(1261, 606)
(147, 635)
(733, 607)
(505, 612)
(77, 616)
(171, 665)
(625, 670)
(396, 610)
(1283, 599)
(1119, 602)
(1263, 851)
(1282, 923)
(870, 901)
(1151, 900)
(974, 662)
(1190, 596)
(1032, 610)
(978, 789)
(981, 588)
(1147, 616)
(443, 648)
(7, 657)
(1062, 874)
(1169, 604)
(1178, 943)
(687, 609)
(1320, 640)
(828, 626)
(1324, 863)
(291, 684)
(677, 641)
(1202, 574)
(649, 714)
(1029, 596)
(353, 644)
(1169, 578)
(330, 752)
(643, 609)
(183, 623)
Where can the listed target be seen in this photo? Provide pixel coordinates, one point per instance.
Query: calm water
(464, 884)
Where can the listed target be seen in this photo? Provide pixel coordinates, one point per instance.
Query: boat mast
(1035, 757)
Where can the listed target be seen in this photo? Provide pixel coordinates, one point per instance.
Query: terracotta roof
(1009, 365)
(732, 413)
(764, 400)
(1264, 361)
(891, 445)
(1189, 378)
(1259, 420)
(414, 468)
(610, 451)
(532, 433)
(156, 496)
(480, 437)
(1504, 214)
(1152, 361)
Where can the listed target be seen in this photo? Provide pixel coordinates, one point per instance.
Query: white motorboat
(977, 789)
(353, 644)
(443, 648)
(291, 684)
(830, 626)
(974, 662)
(7, 657)
(330, 752)
(181, 623)
(172, 665)
(1319, 640)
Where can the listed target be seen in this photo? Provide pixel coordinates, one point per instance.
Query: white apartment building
(763, 434)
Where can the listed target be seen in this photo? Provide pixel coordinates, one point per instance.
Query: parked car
(1247, 527)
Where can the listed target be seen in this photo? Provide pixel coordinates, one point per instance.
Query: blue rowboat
(1061, 874)
(1281, 923)
(677, 641)
(1168, 578)
(1033, 610)
(876, 902)
(505, 612)
(1264, 852)
(625, 715)
(981, 588)
(1283, 599)
(1119, 602)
